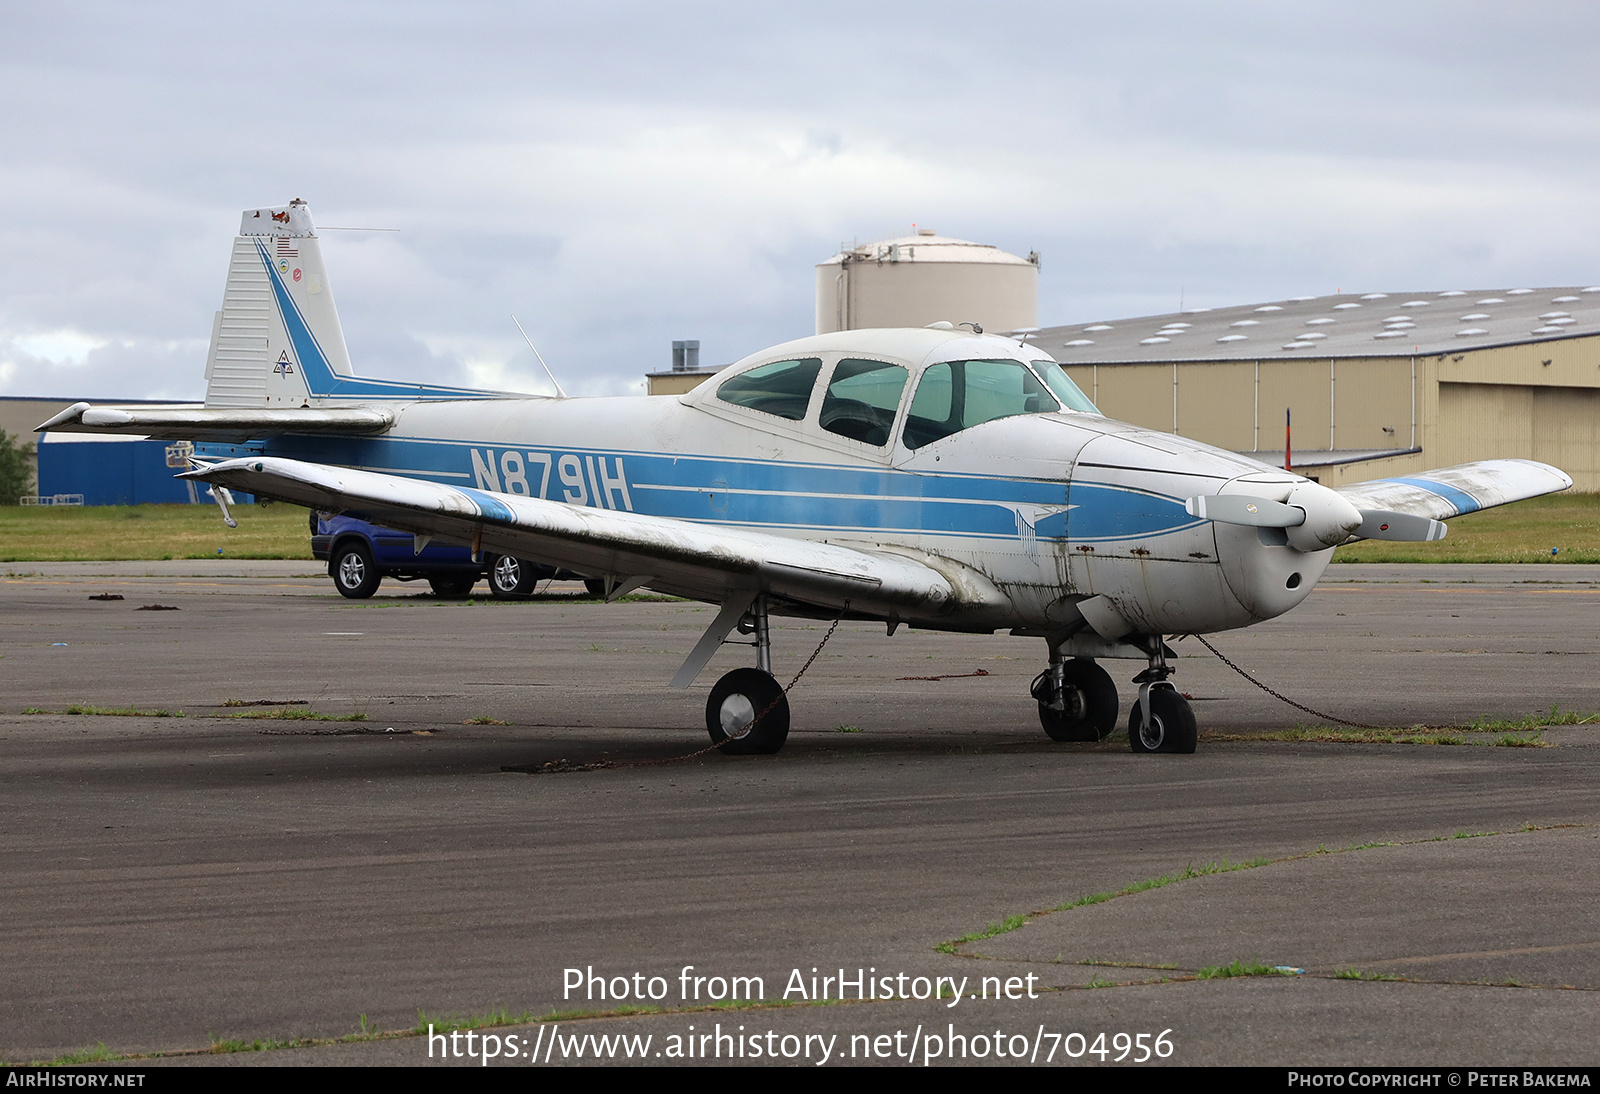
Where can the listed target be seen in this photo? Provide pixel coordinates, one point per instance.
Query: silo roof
(921, 248)
(1375, 324)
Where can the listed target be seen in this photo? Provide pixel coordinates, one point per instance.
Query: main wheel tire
(510, 578)
(453, 586)
(355, 575)
(741, 697)
(595, 585)
(1091, 704)
(1172, 727)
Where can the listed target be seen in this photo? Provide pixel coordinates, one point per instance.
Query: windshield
(1070, 394)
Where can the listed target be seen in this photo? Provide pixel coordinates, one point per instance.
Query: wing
(1452, 491)
(227, 424)
(704, 562)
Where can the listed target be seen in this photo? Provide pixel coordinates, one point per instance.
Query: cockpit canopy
(861, 397)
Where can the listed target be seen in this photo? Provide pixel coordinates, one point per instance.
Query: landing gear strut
(747, 709)
(1077, 699)
(1161, 720)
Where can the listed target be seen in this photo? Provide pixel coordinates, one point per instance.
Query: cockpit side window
(862, 399)
(961, 394)
(782, 388)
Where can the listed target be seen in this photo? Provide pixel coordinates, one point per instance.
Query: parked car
(360, 555)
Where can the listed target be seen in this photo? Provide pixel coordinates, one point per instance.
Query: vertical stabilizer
(277, 340)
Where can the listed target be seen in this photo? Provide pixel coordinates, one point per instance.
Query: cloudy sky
(618, 175)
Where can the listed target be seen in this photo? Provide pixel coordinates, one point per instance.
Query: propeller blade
(1246, 510)
(1407, 527)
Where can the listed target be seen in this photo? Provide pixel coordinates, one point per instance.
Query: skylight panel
(1079, 342)
(1476, 317)
(1345, 306)
(1153, 341)
(1270, 307)
(1376, 296)
(1233, 338)
(1320, 322)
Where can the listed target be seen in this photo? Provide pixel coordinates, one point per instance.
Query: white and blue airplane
(939, 478)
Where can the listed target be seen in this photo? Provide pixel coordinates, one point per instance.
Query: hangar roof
(1345, 325)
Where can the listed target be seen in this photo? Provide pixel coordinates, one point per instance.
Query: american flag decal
(286, 249)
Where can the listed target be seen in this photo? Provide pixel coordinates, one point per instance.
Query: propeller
(1318, 518)
(1244, 509)
(1407, 527)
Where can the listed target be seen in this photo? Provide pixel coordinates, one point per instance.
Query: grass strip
(1241, 968)
(1011, 923)
(104, 533)
(290, 714)
(1527, 732)
(1527, 531)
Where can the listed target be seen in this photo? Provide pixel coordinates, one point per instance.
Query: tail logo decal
(284, 367)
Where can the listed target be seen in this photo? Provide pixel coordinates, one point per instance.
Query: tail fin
(277, 341)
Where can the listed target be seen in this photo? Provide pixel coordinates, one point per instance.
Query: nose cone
(1330, 519)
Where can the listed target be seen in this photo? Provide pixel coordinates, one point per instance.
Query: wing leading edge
(704, 562)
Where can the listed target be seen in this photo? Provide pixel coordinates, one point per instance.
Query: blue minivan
(360, 554)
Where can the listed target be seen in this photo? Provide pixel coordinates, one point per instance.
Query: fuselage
(1051, 506)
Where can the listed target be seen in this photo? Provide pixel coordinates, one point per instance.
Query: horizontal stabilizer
(690, 559)
(1452, 491)
(222, 424)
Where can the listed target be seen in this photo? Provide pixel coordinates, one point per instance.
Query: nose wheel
(1165, 724)
(1161, 720)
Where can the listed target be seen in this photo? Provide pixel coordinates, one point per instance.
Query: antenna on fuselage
(559, 393)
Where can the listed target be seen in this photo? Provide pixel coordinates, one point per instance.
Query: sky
(619, 175)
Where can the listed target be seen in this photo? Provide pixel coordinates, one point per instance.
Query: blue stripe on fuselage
(782, 496)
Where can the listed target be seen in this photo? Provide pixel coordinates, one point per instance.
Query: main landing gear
(747, 713)
(1078, 702)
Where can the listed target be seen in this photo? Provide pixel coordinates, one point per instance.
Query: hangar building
(1378, 384)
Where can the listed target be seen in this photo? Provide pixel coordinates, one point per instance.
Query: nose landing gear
(1078, 702)
(1161, 720)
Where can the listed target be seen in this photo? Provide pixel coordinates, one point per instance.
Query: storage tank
(924, 278)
